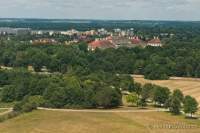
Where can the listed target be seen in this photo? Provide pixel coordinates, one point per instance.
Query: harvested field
(189, 86)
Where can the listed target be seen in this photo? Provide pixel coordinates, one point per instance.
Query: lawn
(41, 121)
(189, 86)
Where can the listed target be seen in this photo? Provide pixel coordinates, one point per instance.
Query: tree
(138, 88)
(108, 98)
(175, 105)
(8, 94)
(4, 79)
(161, 95)
(190, 105)
(146, 92)
(155, 71)
(174, 102)
(83, 47)
(55, 96)
(142, 103)
(38, 60)
(178, 94)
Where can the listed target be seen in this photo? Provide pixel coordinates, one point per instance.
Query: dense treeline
(174, 59)
(94, 90)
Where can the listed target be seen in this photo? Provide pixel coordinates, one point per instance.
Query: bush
(132, 98)
(29, 104)
(28, 107)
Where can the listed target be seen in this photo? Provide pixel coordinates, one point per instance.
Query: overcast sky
(102, 9)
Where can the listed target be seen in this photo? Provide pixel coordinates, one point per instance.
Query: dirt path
(6, 112)
(105, 111)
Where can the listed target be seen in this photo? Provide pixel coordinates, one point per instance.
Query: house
(100, 43)
(155, 42)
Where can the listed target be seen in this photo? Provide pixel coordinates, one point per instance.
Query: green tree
(8, 94)
(190, 105)
(83, 47)
(108, 98)
(147, 91)
(55, 96)
(175, 105)
(142, 103)
(178, 94)
(161, 95)
(138, 88)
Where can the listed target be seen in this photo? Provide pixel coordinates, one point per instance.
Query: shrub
(28, 104)
(132, 98)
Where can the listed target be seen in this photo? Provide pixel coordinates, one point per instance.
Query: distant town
(99, 38)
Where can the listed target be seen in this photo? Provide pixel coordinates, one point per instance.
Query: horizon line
(99, 19)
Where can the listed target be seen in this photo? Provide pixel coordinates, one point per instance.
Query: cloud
(102, 9)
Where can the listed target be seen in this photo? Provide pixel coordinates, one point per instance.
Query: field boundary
(172, 78)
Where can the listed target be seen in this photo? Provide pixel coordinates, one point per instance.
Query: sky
(102, 9)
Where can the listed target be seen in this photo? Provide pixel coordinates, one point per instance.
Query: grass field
(41, 121)
(189, 86)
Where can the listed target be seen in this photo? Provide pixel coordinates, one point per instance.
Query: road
(104, 111)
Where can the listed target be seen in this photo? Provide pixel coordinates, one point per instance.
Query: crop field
(189, 86)
(42, 121)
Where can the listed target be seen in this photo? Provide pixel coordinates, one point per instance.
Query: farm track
(104, 111)
(6, 112)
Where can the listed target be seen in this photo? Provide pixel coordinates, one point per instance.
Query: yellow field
(41, 121)
(189, 86)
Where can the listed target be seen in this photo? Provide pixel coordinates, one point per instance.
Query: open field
(189, 86)
(42, 121)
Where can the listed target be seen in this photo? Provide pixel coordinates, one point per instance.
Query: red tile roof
(155, 41)
(101, 44)
(135, 40)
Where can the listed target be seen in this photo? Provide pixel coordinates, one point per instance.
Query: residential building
(101, 44)
(155, 42)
